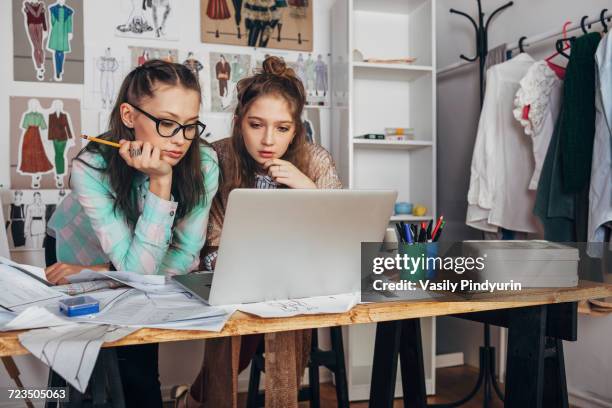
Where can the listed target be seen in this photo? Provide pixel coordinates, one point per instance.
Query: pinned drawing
(48, 40)
(217, 11)
(42, 141)
(32, 159)
(27, 217)
(61, 136)
(107, 65)
(226, 71)
(105, 68)
(194, 65)
(281, 24)
(260, 19)
(36, 24)
(61, 18)
(314, 73)
(16, 220)
(140, 55)
(152, 19)
(298, 15)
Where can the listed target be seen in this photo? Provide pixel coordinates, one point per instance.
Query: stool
(332, 359)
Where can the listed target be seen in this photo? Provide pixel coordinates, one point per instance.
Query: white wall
(179, 363)
(588, 361)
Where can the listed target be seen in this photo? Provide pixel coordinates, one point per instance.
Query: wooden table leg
(525, 372)
(281, 378)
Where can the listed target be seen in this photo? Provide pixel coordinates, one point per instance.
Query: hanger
(563, 44)
(521, 44)
(583, 26)
(603, 20)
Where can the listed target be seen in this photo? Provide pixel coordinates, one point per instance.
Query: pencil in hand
(102, 141)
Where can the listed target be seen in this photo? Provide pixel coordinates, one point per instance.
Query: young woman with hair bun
(267, 149)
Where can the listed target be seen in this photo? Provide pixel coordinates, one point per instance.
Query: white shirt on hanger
(541, 90)
(502, 162)
(600, 192)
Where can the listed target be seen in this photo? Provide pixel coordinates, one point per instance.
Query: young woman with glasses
(143, 207)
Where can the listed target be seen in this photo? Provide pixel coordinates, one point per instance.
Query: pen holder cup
(421, 262)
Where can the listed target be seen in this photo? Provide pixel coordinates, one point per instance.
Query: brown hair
(187, 179)
(275, 78)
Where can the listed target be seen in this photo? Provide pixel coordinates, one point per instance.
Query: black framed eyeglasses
(169, 127)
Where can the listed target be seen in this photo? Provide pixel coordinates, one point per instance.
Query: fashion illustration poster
(26, 217)
(48, 41)
(140, 55)
(44, 137)
(311, 68)
(225, 72)
(151, 19)
(105, 68)
(281, 24)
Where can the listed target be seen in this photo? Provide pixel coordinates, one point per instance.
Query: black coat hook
(583, 26)
(602, 18)
(521, 44)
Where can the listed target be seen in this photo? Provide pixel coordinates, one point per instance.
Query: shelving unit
(369, 97)
(388, 144)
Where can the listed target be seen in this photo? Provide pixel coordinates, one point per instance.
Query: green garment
(59, 146)
(34, 119)
(553, 207)
(564, 216)
(578, 119)
(237, 71)
(61, 26)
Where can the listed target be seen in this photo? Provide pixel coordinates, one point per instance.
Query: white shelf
(410, 218)
(407, 72)
(388, 6)
(390, 144)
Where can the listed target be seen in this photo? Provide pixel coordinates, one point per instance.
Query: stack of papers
(70, 345)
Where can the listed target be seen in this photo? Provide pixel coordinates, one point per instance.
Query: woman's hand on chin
(284, 172)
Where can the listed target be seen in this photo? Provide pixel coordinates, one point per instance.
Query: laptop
(289, 244)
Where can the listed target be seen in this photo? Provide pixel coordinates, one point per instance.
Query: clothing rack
(486, 374)
(530, 41)
(486, 363)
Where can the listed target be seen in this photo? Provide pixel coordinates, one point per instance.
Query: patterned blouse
(322, 171)
(88, 231)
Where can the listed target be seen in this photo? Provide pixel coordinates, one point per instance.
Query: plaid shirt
(88, 231)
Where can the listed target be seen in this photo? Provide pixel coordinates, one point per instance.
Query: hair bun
(276, 66)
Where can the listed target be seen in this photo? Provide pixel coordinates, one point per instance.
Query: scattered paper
(34, 270)
(20, 289)
(294, 307)
(145, 283)
(71, 351)
(78, 288)
(138, 309)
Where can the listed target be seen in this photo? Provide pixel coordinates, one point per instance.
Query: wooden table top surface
(242, 324)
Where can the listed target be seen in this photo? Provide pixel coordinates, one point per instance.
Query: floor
(452, 384)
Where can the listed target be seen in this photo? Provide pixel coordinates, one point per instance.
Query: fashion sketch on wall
(151, 19)
(27, 215)
(226, 70)
(48, 40)
(280, 24)
(44, 138)
(312, 69)
(140, 55)
(104, 71)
